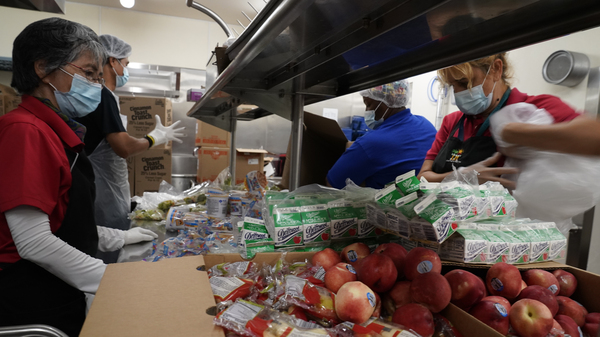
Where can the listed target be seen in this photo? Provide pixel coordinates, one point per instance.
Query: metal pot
(566, 68)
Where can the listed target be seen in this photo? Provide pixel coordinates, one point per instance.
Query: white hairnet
(394, 95)
(115, 47)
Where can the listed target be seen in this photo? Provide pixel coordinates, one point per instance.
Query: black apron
(31, 295)
(460, 153)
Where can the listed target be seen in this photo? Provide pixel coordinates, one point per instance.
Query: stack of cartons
(213, 155)
(148, 169)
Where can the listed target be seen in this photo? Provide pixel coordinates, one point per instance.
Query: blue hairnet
(115, 47)
(394, 95)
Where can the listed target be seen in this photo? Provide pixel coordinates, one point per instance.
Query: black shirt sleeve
(103, 121)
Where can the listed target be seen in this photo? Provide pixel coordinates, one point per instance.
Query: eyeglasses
(88, 74)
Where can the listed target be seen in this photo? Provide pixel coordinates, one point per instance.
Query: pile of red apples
(410, 288)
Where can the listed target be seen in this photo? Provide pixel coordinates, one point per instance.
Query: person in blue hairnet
(397, 144)
(108, 144)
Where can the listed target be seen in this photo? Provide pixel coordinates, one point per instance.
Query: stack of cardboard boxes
(149, 169)
(9, 99)
(213, 155)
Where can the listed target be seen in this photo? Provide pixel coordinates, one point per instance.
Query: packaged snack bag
(230, 288)
(319, 302)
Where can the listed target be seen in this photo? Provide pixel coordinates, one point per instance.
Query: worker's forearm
(126, 146)
(579, 136)
(433, 177)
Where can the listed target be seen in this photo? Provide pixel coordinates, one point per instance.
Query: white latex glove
(162, 134)
(30, 230)
(138, 234)
(517, 113)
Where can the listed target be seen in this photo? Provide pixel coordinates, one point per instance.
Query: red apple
(504, 280)
(500, 300)
(420, 261)
(523, 285)
(557, 330)
(326, 258)
(416, 317)
(591, 329)
(576, 311)
(541, 294)
(541, 278)
(396, 252)
(338, 275)
(492, 314)
(398, 296)
(355, 302)
(530, 318)
(593, 317)
(377, 311)
(378, 272)
(432, 290)
(467, 289)
(568, 325)
(354, 253)
(567, 282)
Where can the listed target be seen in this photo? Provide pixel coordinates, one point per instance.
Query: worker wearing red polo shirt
(481, 88)
(47, 230)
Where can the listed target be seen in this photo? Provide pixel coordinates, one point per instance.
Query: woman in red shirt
(481, 88)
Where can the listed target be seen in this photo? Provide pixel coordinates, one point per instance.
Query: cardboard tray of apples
(411, 287)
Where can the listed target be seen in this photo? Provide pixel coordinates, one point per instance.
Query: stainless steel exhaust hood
(50, 6)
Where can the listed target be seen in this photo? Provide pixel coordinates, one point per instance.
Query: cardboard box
(211, 136)
(151, 168)
(131, 175)
(173, 298)
(211, 161)
(9, 99)
(323, 142)
(140, 112)
(248, 160)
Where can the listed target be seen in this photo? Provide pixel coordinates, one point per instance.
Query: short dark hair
(57, 42)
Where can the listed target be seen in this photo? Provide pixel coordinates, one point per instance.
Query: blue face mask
(370, 120)
(474, 101)
(82, 99)
(121, 80)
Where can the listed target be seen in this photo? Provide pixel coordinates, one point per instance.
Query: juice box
(388, 195)
(440, 215)
(288, 226)
(343, 219)
(366, 229)
(519, 246)
(466, 245)
(407, 183)
(317, 226)
(397, 223)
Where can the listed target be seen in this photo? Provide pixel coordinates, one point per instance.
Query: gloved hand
(162, 134)
(517, 113)
(138, 234)
(487, 173)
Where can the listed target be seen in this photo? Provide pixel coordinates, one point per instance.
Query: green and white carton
(501, 202)
(558, 242)
(388, 195)
(519, 245)
(462, 196)
(317, 226)
(440, 215)
(428, 188)
(255, 237)
(407, 204)
(540, 242)
(288, 226)
(376, 215)
(366, 229)
(273, 198)
(397, 223)
(466, 245)
(344, 223)
(407, 183)
(497, 245)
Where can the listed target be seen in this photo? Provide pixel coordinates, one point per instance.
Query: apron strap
(486, 123)
(461, 128)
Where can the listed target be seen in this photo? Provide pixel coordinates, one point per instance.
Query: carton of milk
(407, 183)
(288, 226)
(540, 242)
(467, 245)
(344, 223)
(316, 223)
(388, 195)
(558, 242)
(376, 216)
(462, 197)
(518, 245)
(397, 223)
(255, 237)
(366, 229)
(497, 245)
(407, 204)
(439, 215)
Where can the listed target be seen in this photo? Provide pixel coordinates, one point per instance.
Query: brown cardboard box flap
(251, 150)
(165, 298)
(7, 90)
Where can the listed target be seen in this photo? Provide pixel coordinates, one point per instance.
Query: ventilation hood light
(127, 3)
